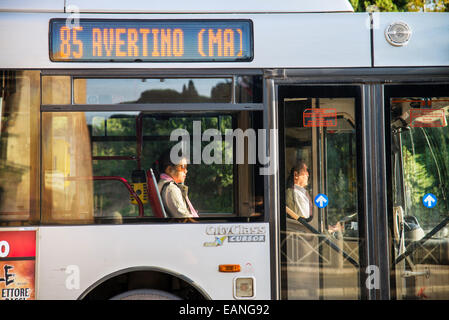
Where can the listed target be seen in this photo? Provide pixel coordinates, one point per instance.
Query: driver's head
(300, 174)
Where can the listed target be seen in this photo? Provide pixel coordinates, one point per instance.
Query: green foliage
(426, 163)
(400, 5)
(341, 175)
(210, 186)
(417, 179)
(378, 5)
(428, 6)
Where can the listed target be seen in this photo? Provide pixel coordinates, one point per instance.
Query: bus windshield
(420, 163)
(421, 135)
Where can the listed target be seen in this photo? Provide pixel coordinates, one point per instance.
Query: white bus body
(292, 40)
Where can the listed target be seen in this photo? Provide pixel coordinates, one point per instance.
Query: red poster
(427, 118)
(17, 265)
(314, 117)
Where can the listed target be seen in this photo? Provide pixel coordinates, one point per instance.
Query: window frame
(176, 108)
(415, 88)
(315, 90)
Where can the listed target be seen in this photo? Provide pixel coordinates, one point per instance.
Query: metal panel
(280, 41)
(177, 248)
(271, 194)
(374, 192)
(428, 45)
(312, 40)
(32, 6)
(19, 32)
(231, 6)
(217, 73)
(155, 107)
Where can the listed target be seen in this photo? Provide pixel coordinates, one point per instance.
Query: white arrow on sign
(429, 199)
(321, 200)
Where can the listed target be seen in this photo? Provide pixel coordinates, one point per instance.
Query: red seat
(154, 195)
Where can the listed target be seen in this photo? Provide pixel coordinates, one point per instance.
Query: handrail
(116, 178)
(328, 241)
(416, 244)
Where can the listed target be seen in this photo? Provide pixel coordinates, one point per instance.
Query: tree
(400, 5)
(379, 5)
(428, 5)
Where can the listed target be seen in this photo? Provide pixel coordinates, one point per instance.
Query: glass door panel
(419, 214)
(320, 238)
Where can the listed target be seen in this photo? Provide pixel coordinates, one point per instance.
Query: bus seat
(154, 195)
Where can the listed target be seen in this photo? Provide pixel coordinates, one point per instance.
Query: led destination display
(151, 40)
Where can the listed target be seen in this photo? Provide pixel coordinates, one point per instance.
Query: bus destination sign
(104, 40)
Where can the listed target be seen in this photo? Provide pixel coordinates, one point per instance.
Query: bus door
(419, 190)
(319, 200)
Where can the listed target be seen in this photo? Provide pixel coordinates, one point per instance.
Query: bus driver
(298, 201)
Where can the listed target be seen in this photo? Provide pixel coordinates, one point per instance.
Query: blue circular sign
(321, 200)
(429, 200)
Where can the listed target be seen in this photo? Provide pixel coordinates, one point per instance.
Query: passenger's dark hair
(162, 163)
(299, 164)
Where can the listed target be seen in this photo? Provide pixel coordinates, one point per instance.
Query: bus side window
(19, 152)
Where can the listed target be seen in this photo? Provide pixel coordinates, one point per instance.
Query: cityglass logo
(235, 233)
(235, 229)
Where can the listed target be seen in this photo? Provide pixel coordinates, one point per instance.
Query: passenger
(298, 201)
(172, 189)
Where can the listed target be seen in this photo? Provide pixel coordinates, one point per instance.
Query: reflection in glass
(19, 152)
(249, 89)
(56, 90)
(91, 159)
(420, 165)
(146, 90)
(321, 254)
(67, 168)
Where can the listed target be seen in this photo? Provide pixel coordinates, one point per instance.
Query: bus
(93, 92)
